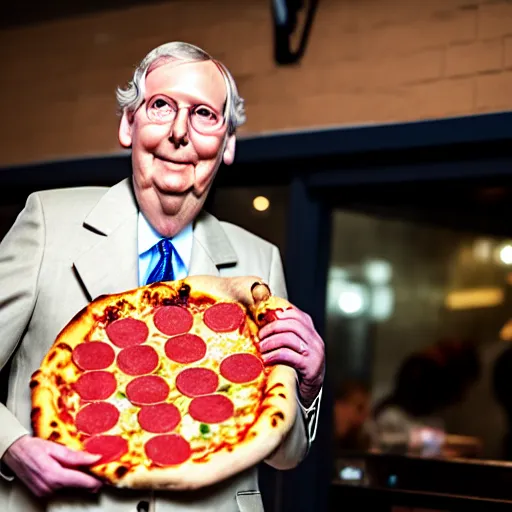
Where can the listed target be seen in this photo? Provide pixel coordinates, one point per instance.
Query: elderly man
(179, 117)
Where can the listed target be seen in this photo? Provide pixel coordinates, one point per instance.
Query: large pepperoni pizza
(166, 383)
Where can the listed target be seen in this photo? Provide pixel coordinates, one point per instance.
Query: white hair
(130, 98)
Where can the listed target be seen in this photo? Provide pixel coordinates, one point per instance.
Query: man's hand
(292, 340)
(44, 466)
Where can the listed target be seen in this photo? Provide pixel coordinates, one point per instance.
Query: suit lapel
(211, 249)
(111, 264)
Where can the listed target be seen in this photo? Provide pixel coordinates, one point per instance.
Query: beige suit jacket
(66, 248)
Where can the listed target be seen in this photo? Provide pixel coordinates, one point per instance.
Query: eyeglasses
(202, 118)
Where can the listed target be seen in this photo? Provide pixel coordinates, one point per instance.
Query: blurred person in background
(409, 419)
(351, 413)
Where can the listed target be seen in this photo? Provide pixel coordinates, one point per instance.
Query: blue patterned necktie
(163, 269)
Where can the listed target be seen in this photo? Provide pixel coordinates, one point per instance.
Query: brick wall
(367, 61)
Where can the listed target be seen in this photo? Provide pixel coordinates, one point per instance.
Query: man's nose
(179, 128)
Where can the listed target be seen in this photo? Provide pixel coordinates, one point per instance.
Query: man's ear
(229, 150)
(125, 130)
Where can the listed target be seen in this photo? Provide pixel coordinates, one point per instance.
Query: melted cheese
(203, 438)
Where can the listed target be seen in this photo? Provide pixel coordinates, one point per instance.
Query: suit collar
(111, 265)
(211, 249)
(113, 209)
(209, 232)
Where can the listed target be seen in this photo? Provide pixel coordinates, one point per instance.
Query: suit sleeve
(21, 253)
(296, 444)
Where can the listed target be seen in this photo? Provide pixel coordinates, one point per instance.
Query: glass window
(418, 307)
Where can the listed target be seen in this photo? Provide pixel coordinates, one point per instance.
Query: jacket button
(143, 506)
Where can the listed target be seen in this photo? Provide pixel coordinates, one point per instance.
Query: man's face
(173, 163)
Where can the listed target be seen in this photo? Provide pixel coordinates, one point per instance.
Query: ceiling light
(352, 299)
(474, 298)
(378, 271)
(506, 254)
(261, 203)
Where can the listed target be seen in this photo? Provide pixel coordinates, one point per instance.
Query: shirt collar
(148, 237)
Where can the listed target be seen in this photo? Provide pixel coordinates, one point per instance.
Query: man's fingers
(286, 340)
(72, 458)
(60, 475)
(45, 466)
(296, 314)
(283, 325)
(284, 356)
(66, 477)
(71, 478)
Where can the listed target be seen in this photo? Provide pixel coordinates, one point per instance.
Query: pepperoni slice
(137, 360)
(159, 418)
(241, 368)
(173, 320)
(110, 447)
(97, 418)
(126, 332)
(149, 389)
(168, 450)
(211, 408)
(187, 348)
(93, 355)
(197, 381)
(97, 385)
(224, 317)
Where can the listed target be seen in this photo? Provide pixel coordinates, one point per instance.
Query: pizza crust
(277, 410)
(261, 440)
